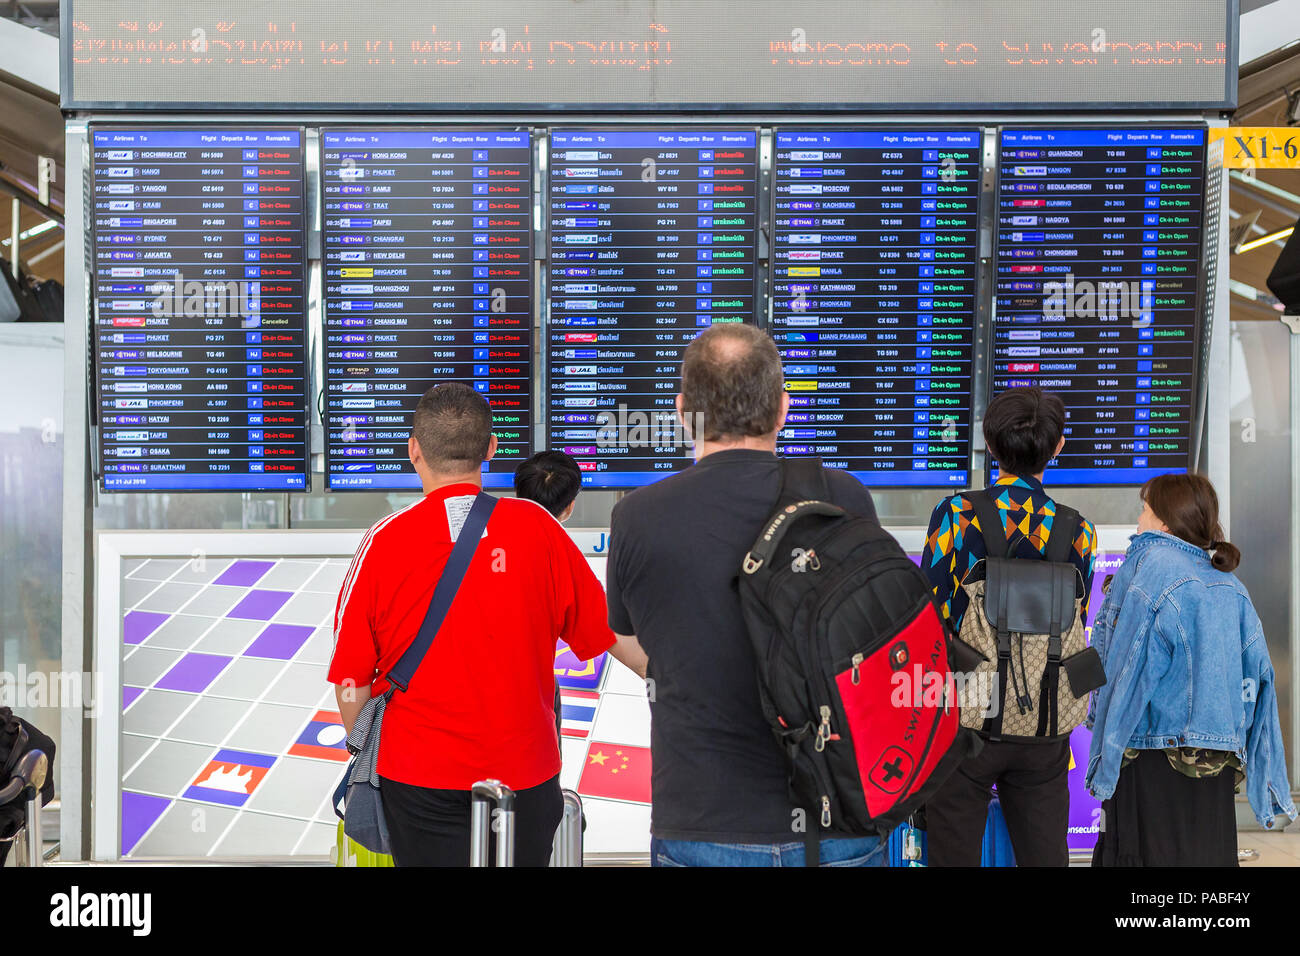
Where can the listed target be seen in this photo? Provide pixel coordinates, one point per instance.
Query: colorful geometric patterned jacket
(954, 543)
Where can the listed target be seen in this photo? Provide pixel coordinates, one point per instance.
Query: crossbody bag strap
(445, 590)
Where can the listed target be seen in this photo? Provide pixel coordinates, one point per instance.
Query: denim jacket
(1186, 666)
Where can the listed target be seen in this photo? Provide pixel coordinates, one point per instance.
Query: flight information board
(1098, 291)
(875, 249)
(200, 319)
(653, 238)
(427, 243)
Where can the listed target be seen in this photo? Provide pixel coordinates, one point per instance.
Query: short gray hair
(732, 380)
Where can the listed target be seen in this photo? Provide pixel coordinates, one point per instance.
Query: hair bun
(1224, 555)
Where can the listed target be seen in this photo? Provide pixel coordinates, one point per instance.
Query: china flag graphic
(617, 772)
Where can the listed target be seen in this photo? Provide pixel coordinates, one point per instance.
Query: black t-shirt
(675, 549)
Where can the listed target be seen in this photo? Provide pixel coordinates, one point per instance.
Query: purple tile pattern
(139, 812)
(279, 641)
(244, 572)
(193, 672)
(137, 625)
(260, 605)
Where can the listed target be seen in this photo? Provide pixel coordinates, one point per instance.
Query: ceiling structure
(1269, 94)
(1268, 91)
(31, 126)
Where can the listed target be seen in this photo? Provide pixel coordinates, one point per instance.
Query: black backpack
(853, 663)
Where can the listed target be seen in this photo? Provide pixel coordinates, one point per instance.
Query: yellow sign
(1259, 147)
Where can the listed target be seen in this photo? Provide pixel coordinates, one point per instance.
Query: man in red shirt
(480, 704)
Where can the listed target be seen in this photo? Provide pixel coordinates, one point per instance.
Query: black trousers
(431, 827)
(1031, 781)
(1160, 817)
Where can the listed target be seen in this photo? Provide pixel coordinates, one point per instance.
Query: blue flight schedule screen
(200, 335)
(427, 244)
(1099, 239)
(653, 238)
(875, 243)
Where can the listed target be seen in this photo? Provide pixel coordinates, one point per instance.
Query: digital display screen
(875, 255)
(428, 273)
(200, 329)
(1099, 239)
(653, 238)
(646, 54)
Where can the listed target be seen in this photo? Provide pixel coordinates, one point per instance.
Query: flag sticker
(230, 778)
(617, 772)
(577, 712)
(573, 674)
(324, 738)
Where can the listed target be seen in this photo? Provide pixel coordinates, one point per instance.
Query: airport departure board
(1097, 298)
(427, 245)
(875, 249)
(200, 329)
(653, 238)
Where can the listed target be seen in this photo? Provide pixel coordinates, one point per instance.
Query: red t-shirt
(481, 705)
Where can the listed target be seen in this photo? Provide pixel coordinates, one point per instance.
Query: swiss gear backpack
(1021, 629)
(853, 668)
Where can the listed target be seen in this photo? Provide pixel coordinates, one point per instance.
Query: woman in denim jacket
(1189, 704)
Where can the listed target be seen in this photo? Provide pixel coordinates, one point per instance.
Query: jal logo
(898, 656)
(892, 770)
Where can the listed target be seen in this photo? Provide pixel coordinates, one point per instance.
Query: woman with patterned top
(1189, 708)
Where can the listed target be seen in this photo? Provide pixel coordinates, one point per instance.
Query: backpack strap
(992, 528)
(990, 515)
(1065, 528)
(802, 479)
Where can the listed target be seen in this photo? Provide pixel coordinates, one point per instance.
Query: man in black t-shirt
(719, 779)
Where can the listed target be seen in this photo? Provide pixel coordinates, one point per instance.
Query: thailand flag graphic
(230, 778)
(324, 738)
(577, 712)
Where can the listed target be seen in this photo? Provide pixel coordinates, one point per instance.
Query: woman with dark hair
(1189, 708)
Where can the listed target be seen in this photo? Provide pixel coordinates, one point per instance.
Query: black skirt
(1160, 817)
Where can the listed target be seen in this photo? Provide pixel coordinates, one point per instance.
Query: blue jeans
(867, 851)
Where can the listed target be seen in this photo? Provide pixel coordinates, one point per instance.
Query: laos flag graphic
(230, 778)
(324, 738)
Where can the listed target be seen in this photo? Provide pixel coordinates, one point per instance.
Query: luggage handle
(483, 795)
(567, 849)
(770, 539)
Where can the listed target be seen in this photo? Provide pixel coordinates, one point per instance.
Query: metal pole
(1293, 323)
(35, 846)
(13, 243)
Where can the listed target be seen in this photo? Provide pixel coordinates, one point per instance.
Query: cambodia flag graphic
(230, 778)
